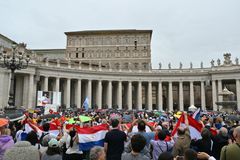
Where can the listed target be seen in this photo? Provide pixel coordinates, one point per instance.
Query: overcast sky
(183, 30)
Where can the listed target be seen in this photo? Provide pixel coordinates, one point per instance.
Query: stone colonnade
(121, 93)
(110, 93)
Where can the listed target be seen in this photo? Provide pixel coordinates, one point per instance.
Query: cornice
(134, 75)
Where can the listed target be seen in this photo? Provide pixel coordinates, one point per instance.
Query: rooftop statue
(201, 65)
(191, 65)
(237, 61)
(160, 66)
(218, 62)
(169, 66)
(227, 59)
(180, 65)
(212, 63)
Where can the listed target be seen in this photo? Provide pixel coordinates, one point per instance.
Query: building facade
(115, 49)
(113, 69)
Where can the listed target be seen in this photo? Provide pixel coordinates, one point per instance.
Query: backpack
(41, 138)
(23, 136)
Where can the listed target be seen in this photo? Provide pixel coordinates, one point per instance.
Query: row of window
(119, 48)
(107, 55)
(106, 41)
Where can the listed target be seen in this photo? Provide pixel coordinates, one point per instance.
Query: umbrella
(233, 118)
(127, 118)
(71, 121)
(115, 116)
(47, 116)
(3, 122)
(158, 113)
(85, 118)
(178, 114)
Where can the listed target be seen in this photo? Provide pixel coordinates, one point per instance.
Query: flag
(196, 114)
(86, 103)
(194, 126)
(90, 136)
(135, 129)
(39, 129)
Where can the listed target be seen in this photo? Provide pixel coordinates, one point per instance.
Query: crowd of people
(132, 135)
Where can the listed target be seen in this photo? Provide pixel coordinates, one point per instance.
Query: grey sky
(183, 30)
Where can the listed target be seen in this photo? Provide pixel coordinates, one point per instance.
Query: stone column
(214, 95)
(26, 90)
(57, 84)
(89, 93)
(34, 101)
(18, 91)
(99, 94)
(45, 88)
(203, 99)
(170, 97)
(181, 104)
(191, 93)
(149, 95)
(129, 96)
(30, 91)
(238, 93)
(68, 98)
(119, 95)
(139, 95)
(220, 97)
(6, 88)
(160, 100)
(109, 94)
(78, 93)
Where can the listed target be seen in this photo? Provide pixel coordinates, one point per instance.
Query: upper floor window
(135, 45)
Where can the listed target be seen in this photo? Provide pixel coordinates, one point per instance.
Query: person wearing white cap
(53, 151)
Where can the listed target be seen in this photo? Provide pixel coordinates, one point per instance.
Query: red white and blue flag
(88, 136)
